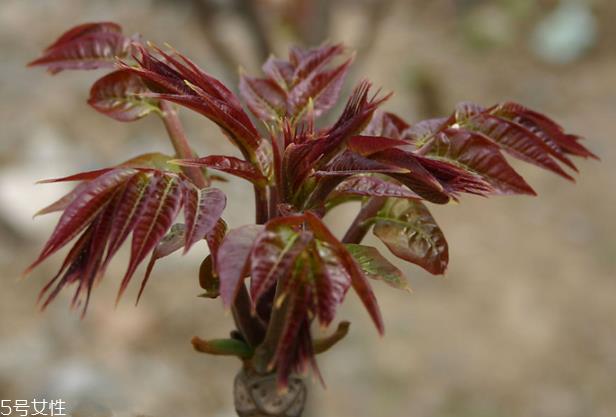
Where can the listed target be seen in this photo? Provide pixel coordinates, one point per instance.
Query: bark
(257, 395)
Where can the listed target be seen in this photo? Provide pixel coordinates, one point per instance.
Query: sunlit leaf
(89, 46)
(202, 209)
(119, 96)
(408, 229)
(228, 164)
(376, 266)
(479, 155)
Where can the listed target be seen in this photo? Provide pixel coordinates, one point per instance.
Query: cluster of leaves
(298, 270)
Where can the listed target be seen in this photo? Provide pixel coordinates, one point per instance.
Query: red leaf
(423, 131)
(280, 71)
(181, 81)
(372, 186)
(160, 207)
(82, 210)
(546, 129)
(228, 164)
(285, 357)
(479, 155)
(417, 177)
(171, 242)
(85, 51)
(388, 125)
(117, 95)
(214, 239)
(322, 88)
(233, 260)
(309, 61)
(63, 202)
(332, 281)
(83, 30)
(513, 138)
(127, 211)
(273, 256)
(358, 280)
(368, 145)
(410, 232)
(264, 97)
(350, 163)
(202, 209)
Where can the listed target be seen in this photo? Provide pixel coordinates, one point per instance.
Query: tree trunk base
(257, 396)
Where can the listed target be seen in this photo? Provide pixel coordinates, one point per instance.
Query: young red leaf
(160, 207)
(82, 210)
(285, 357)
(387, 125)
(264, 97)
(350, 163)
(202, 209)
(368, 145)
(321, 89)
(371, 186)
(119, 95)
(233, 258)
(179, 80)
(479, 155)
(419, 179)
(514, 138)
(228, 164)
(171, 242)
(127, 211)
(214, 238)
(63, 202)
(410, 232)
(280, 71)
(83, 48)
(331, 282)
(420, 133)
(358, 280)
(273, 256)
(546, 129)
(309, 61)
(85, 29)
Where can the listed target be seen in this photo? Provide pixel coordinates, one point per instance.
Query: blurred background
(524, 322)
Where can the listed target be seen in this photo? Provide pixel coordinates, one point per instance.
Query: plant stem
(248, 325)
(180, 142)
(261, 205)
(359, 227)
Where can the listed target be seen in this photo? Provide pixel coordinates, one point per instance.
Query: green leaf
(376, 266)
(410, 232)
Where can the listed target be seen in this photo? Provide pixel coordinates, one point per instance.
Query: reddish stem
(180, 143)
